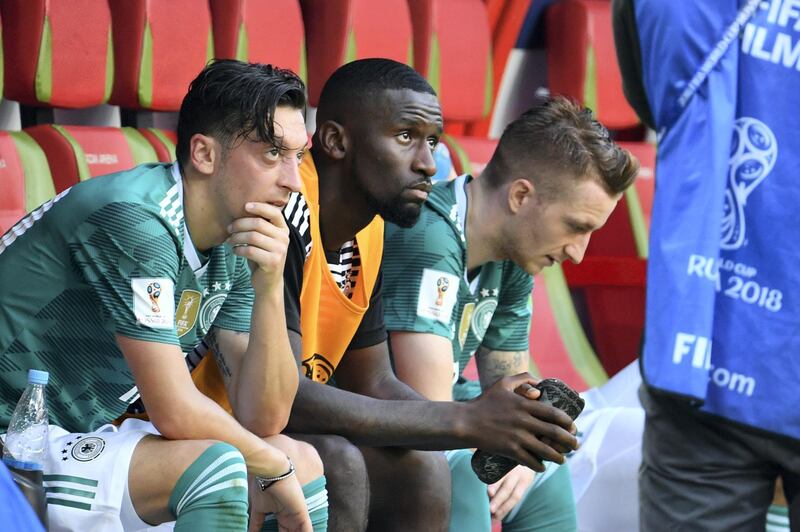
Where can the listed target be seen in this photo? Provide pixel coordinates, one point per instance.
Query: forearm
(494, 365)
(266, 387)
(193, 416)
(416, 424)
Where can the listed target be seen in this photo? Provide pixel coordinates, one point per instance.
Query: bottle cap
(36, 376)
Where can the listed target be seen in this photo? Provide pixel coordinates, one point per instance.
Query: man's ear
(204, 153)
(333, 139)
(520, 192)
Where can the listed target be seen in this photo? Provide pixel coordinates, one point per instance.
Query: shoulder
(431, 235)
(143, 199)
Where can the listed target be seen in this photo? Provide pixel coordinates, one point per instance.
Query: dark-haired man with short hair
(458, 285)
(109, 284)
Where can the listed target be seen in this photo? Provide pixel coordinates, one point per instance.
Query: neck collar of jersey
(189, 251)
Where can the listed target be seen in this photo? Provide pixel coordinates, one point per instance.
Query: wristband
(266, 482)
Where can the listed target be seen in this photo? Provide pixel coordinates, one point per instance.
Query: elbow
(265, 424)
(173, 425)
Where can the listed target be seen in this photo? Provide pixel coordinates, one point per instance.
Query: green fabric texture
(141, 149)
(638, 224)
(43, 84)
(241, 43)
(548, 506)
(211, 495)
(109, 67)
(469, 510)
(590, 83)
(580, 351)
(317, 500)
(778, 519)
(145, 90)
(39, 186)
(80, 156)
(350, 47)
(435, 66)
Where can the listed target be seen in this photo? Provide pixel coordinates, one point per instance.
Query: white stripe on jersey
(26, 223)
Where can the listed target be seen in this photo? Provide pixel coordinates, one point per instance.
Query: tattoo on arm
(219, 356)
(494, 365)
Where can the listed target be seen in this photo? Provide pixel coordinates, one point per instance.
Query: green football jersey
(108, 256)
(426, 288)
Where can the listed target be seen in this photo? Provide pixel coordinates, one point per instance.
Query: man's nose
(575, 250)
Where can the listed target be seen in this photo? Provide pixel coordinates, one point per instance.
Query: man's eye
(273, 154)
(300, 155)
(404, 137)
(433, 142)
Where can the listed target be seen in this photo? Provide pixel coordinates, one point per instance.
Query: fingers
(262, 238)
(528, 459)
(505, 494)
(527, 391)
(515, 381)
(256, 520)
(268, 212)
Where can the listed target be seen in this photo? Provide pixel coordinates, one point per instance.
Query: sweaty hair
(231, 100)
(556, 140)
(351, 84)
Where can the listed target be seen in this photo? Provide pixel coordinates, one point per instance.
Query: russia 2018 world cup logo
(754, 150)
(154, 292)
(442, 284)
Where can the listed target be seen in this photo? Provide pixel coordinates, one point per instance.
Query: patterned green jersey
(426, 287)
(108, 256)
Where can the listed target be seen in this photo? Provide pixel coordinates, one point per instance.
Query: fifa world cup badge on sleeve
(437, 295)
(154, 302)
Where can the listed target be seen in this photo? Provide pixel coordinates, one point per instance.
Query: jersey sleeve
(510, 325)
(235, 313)
(372, 329)
(422, 268)
(130, 258)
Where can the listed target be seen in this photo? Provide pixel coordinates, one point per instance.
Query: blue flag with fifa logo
(723, 323)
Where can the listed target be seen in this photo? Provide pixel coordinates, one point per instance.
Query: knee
(341, 457)
(305, 458)
(428, 473)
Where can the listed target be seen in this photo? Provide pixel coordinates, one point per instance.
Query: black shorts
(700, 472)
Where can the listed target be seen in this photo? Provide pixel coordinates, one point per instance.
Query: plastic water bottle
(25, 447)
